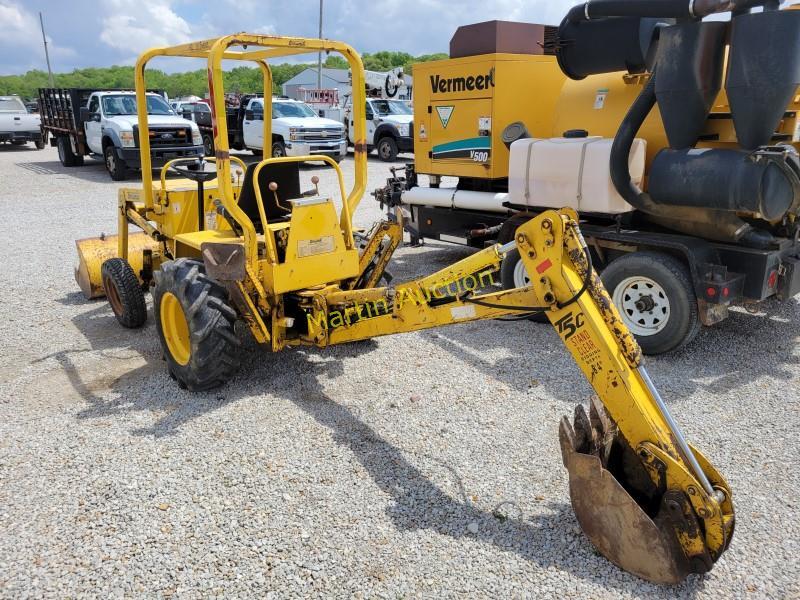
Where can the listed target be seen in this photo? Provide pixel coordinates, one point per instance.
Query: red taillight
(773, 279)
(726, 292)
(711, 292)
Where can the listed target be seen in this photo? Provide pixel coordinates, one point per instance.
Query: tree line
(239, 79)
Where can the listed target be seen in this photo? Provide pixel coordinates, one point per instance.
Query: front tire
(654, 295)
(195, 326)
(278, 149)
(124, 293)
(387, 149)
(115, 166)
(208, 144)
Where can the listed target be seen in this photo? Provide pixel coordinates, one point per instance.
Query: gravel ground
(424, 464)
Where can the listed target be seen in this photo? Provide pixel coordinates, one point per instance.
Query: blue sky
(98, 33)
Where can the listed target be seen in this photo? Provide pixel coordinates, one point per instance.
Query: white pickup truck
(296, 130)
(104, 124)
(17, 125)
(389, 126)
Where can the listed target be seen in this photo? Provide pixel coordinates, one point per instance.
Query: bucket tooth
(640, 540)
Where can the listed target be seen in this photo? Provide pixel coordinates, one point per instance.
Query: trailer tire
(65, 154)
(124, 293)
(514, 275)
(195, 325)
(115, 166)
(208, 144)
(654, 295)
(387, 149)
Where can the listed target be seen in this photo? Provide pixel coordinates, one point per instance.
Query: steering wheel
(198, 174)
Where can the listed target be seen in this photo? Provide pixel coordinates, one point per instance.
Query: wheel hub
(175, 328)
(521, 278)
(643, 305)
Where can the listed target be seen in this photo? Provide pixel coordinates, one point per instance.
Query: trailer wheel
(208, 144)
(655, 298)
(513, 274)
(387, 149)
(65, 154)
(195, 325)
(114, 164)
(124, 293)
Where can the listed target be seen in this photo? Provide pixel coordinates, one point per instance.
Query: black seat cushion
(286, 175)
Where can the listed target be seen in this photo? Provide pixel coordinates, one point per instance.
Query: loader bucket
(93, 252)
(611, 518)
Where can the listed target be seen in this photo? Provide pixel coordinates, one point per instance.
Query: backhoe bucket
(616, 523)
(93, 252)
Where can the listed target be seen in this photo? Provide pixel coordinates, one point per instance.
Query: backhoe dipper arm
(650, 503)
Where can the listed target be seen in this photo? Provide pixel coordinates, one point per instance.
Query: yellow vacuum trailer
(253, 244)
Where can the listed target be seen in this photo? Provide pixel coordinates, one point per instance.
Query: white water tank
(569, 172)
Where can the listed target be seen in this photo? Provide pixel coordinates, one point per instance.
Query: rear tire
(514, 275)
(65, 154)
(40, 144)
(115, 166)
(387, 149)
(124, 293)
(654, 294)
(195, 325)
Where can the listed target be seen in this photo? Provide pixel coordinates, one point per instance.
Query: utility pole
(319, 54)
(46, 53)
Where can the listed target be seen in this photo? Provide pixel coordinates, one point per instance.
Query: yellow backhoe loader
(229, 242)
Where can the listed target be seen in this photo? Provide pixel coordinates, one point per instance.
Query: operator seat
(286, 175)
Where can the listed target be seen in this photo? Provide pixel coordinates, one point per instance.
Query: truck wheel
(387, 149)
(208, 144)
(124, 293)
(195, 325)
(655, 297)
(65, 154)
(278, 149)
(18, 142)
(40, 144)
(114, 164)
(514, 275)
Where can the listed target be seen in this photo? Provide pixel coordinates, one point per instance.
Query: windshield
(126, 105)
(291, 109)
(11, 105)
(390, 107)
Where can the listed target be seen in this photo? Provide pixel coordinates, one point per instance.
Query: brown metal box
(493, 37)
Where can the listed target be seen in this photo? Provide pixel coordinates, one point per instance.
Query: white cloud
(22, 28)
(136, 25)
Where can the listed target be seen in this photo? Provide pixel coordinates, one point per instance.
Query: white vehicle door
(253, 124)
(94, 126)
(370, 125)
(351, 134)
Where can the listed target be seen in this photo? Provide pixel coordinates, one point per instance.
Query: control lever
(221, 211)
(315, 191)
(273, 187)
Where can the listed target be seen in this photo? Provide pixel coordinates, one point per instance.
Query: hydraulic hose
(660, 9)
